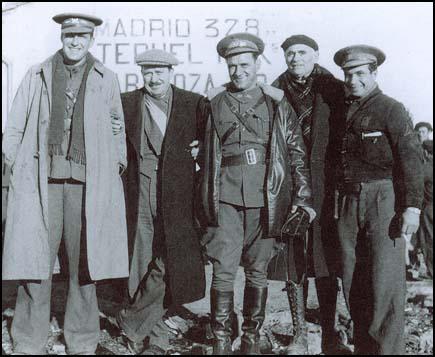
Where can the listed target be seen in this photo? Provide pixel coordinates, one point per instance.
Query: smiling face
(300, 60)
(75, 46)
(243, 69)
(157, 80)
(423, 133)
(359, 80)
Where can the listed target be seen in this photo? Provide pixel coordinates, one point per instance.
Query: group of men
(163, 175)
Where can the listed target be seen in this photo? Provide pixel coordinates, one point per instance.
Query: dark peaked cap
(77, 23)
(238, 43)
(358, 55)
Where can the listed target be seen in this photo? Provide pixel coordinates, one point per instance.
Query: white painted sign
(404, 31)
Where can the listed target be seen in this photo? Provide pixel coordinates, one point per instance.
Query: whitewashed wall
(191, 31)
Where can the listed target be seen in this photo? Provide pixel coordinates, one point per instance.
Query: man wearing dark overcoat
(166, 267)
(380, 185)
(313, 93)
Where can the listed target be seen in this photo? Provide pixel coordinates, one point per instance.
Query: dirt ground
(194, 334)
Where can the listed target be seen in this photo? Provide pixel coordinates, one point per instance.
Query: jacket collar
(46, 67)
(275, 93)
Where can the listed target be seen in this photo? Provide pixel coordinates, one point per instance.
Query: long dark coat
(184, 265)
(323, 251)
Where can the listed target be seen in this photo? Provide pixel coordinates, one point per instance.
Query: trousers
(373, 261)
(30, 325)
(239, 239)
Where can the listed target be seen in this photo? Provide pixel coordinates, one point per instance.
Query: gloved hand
(411, 220)
(309, 210)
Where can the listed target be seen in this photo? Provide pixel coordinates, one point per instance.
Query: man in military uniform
(65, 182)
(166, 267)
(314, 93)
(254, 174)
(380, 183)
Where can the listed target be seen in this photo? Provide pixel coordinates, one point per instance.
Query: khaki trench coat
(26, 249)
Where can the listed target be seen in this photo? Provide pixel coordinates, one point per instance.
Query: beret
(156, 57)
(299, 40)
(358, 55)
(77, 23)
(237, 43)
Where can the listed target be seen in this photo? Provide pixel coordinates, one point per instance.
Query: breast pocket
(261, 126)
(228, 130)
(376, 148)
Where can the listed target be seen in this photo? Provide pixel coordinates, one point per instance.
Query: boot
(295, 293)
(327, 289)
(221, 307)
(327, 296)
(254, 306)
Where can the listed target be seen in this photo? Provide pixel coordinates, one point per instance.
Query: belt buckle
(251, 157)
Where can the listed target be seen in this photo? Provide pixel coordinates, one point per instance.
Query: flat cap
(156, 57)
(299, 40)
(238, 43)
(358, 55)
(77, 23)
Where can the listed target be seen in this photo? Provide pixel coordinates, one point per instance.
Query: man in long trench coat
(65, 181)
(166, 267)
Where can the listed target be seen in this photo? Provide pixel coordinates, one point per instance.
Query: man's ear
(316, 56)
(171, 73)
(258, 63)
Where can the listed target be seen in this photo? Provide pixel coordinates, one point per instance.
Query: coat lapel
(46, 69)
(132, 104)
(352, 116)
(175, 126)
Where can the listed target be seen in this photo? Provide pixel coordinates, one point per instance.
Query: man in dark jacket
(254, 174)
(166, 267)
(377, 154)
(313, 93)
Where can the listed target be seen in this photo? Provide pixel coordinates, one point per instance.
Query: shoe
(135, 348)
(153, 350)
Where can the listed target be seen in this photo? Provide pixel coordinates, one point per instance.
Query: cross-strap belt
(241, 117)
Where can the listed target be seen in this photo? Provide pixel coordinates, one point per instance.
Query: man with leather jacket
(254, 174)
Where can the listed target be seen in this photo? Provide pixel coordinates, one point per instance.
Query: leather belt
(355, 187)
(249, 157)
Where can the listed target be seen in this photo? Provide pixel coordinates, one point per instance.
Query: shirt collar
(350, 99)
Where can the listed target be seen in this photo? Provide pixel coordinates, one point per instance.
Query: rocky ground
(193, 336)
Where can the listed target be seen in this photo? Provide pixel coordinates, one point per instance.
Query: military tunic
(242, 214)
(243, 185)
